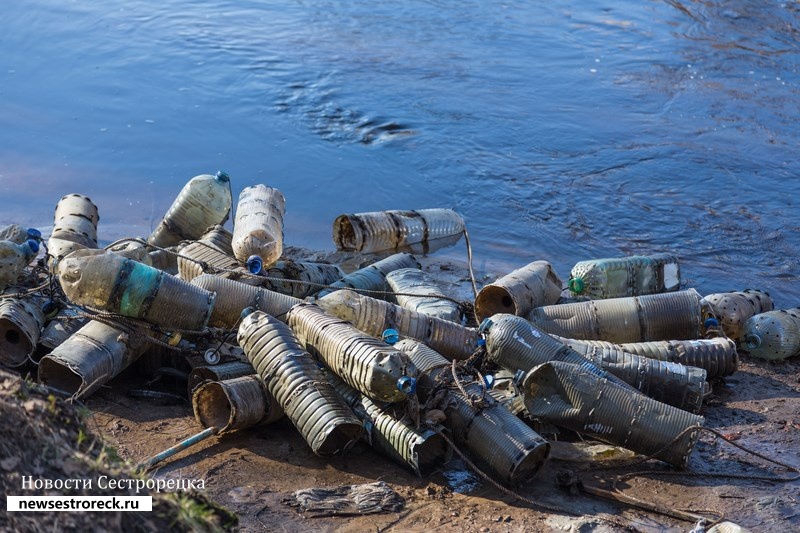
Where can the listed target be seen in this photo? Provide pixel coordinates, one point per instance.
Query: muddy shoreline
(251, 472)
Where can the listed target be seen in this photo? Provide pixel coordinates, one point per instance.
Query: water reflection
(561, 131)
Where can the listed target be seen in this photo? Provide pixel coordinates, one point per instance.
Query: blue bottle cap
(485, 325)
(222, 177)
(407, 385)
(390, 336)
(488, 379)
(255, 264)
(34, 234)
(33, 245)
(247, 311)
(481, 342)
(710, 322)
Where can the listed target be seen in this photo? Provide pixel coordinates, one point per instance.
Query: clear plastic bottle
(203, 202)
(14, 258)
(733, 309)
(258, 229)
(625, 276)
(773, 335)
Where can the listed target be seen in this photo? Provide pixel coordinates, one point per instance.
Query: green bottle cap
(575, 285)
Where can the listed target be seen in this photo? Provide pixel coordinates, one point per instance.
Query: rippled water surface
(560, 130)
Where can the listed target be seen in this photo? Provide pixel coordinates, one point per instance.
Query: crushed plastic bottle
(203, 202)
(534, 285)
(373, 277)
(236, 403)
(773, 335)
(75, 227)
(258, 230)
(417, 291)
(625, 276)
(14, 258)
(396, 230)
(21, 322)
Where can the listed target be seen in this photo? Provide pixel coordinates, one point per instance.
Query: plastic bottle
(534, 285)
(18, 234)
(14, 258)
(396, 230)
(75, 227)
(108, 281)
(734, 308)
(258, 229)
(203, 202)
(373, 277)
(413, 281)
(21, 322)
(773, 335)
(653, 317)
(625, 276)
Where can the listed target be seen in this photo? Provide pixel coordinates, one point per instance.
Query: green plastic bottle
(625, 276)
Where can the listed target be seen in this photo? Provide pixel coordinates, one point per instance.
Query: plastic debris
(625, 276)
(258, 230)
(773, 335)
(733, 309)
(369, 498)
(418, 291)
(518, 293)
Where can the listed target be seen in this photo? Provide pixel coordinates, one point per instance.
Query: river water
(563, 130)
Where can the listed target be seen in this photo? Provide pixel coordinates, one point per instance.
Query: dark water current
(561, 130)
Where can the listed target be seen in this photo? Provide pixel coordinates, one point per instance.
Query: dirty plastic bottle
(732, 309)
(392, 433)
(107, 281)
(625, 276)
(203, 202)
(233, 297)
(373, 277)
(220, 238)
(91, 357)
(237, 403)
(365, 363)
(717, 356)
(374, 316)
(773, 335)
(18, 234)
(500, 442)
(431, 301)
(21, 321)
(258, 229)
(221, 372)
(75, 227)
(395, 230)
(298, 278)
(294, 378)
(199, 255)
(654, 317)
(576, 398)
(14, 258)
(534, 285)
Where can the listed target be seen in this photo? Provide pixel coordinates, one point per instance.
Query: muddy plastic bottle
(221, 372)
(395, 230)
(298, 278)
(573, 397)
(113, 283)
(258, 229)
(373, 277)
(625, 276)
(220, 238)
(14, 258)
(519, 292)
(421, 449)
(196, 257)
(418, 291)
(733, 309)
(298, 385)
(21, 321)
(203, 202)
(504, 445)
(367, 364)
(233, 297)
(717, 356)
(374, 316)
(236, 403)
(91, 357)
(18, 234)
(669, 316)
(773, 335)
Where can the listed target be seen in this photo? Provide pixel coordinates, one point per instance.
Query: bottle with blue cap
(14, 258)
(203, 202)
(258, 228)
(18, 234)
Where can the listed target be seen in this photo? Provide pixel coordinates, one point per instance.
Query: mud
(252, 472)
